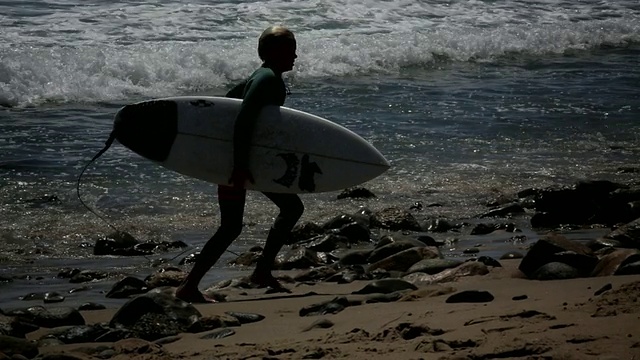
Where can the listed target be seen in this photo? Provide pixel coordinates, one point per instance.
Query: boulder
(49, 317)
(556, 248)
(403, 260)
(394, 218)
(609, 264)
(12, 346)
(555, 271)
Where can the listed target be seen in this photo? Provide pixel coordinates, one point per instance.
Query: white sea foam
(73, 51)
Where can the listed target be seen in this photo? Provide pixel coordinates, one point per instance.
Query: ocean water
(468, 100)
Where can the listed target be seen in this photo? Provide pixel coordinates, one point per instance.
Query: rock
(394, 218)
(248, 258)
(629, 268)
(603, 289)
(511, 255)
(137, 348)
(15, 327)
(207, 323)
(355, 232)
(116, 243)
(171, 277)
(609, 264)
(80, 334)
(504, 211)
(189, 259)
(487, 260)
(555, 271)
(433, 266)
(305, 231)
(326, 243)
(88, 275)
(245, 318)
(390, 249)
(556, 248)
(90, 306)
(11, 346)
(350, 274)
(355, 257)
(470, 296)
(386, 286)
(466, 269)
(345, 219)
(403, 260)
(50, 317)
(52, 297)
(429, 241)
(301, 258)
(483, 229)
(332, 306)
(356, 193)
(471, 251)
(440, 226)
(384, 298)
(127, 287)
(155, 314)
(316, 274)
(627, 235)
(219, 334)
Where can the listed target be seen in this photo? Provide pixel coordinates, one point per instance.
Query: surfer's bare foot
(268, 281)
(193, 296)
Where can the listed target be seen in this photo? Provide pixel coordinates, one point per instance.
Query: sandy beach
(527, 319)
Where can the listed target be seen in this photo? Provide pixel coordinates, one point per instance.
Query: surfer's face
(283, 56)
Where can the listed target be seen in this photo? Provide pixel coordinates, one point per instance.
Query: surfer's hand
(239, 177)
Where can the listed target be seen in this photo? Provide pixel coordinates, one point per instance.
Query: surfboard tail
(148, 128)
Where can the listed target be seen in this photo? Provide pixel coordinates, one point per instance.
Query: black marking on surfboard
(308, 172)
(201, 103)
(291, 173)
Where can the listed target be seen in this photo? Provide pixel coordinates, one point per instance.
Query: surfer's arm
(259, 93)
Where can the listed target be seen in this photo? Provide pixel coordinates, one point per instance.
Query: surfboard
(291, 152)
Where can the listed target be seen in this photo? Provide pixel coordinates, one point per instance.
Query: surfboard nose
(148, 128)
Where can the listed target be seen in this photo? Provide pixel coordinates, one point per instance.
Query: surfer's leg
(291, 209)
(231, 204)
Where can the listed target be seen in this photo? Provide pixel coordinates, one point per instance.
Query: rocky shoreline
(395, 267)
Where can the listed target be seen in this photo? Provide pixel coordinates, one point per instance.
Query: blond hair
(273, 36)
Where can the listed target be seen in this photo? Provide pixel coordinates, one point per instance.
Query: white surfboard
(291, 152)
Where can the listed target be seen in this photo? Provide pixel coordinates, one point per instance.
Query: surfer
(277, 50)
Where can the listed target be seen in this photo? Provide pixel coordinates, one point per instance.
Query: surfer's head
(277, 48)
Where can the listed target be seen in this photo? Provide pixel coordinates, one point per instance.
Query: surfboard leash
(107, 145)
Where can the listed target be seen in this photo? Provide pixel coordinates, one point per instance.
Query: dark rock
(116, 243)
(218, 334)
(519, 297)
(127, 287)
(355, 257)
(429, 241)
(433, 266)
(332, 306)
(555, 271)
(384, 298)
(349, 275)
(306, 231)
(440, 226)
(32, 297)
(403, 260)
(88, 275)
(207, 323)
(631, 268)
(301, 258)
(394, 218)
(609, 264)
(386, 286)
(627, 235)
(52, 297)
(355, 232)
(325, 243)
(11, 346)
(50, 317)
(68, 273)
(483, 229)
(545, 250)
(155, 314)
(316, 274)
(390, 249)
(471, 251)
(504, 211)
(470, 296)
(603, 289)
(15, 327)
(472, 268)
(164, 277)
(487, 260)
(245, 318)
(248, 258)
(79, 334)
(356, 193)
(90, 306)
(345, 219)
(511, 255)
(189, 259)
